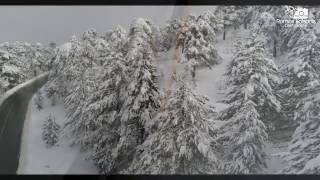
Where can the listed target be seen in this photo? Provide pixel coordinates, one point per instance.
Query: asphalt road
(12, 115)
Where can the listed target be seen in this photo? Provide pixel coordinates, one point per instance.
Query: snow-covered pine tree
(73, 75)
(210, 19)
(301, 72)
(246, 13)
(101, 114)
(267, 27)
(4, 56)
(30, 60)
(244, 140)
(11, 72)
(198, 43)
(113, 43)
(50, 55)
(183, 138)
(75, 104)
(314, 12)
(304, 149)
(168, 34)
(142, 98)
(69, 58)
(278, 12)
(97, 51)
(50, 131)
(290, 35)
(253, 66)
(229, 17)
(41, 56)
(249, 15)
(117, 38)
(97, 48)
(302, 87)
(26, 56)
(96, 121)
(89, 40)
(63, 70)
(252, 106)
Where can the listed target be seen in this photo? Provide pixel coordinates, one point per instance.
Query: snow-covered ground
(37, 158)
(274, 162)
(210, 81)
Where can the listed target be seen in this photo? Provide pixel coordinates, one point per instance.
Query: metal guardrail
(13, 108)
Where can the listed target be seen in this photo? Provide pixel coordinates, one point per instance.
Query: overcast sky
(46, 24)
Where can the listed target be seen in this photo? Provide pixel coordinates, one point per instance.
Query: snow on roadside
(37, 158)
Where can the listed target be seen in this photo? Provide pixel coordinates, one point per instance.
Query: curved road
(13, 110)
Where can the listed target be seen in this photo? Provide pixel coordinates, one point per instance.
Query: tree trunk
(310, 53)
(193, 73)
(142, 135)
(224, 32)
(275, 48)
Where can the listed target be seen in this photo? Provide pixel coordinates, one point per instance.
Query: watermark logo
(299, 16)
(297, 12)
(301, 13)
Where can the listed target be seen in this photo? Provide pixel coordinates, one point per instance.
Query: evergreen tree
(4, 57)
(229, 16)
(65, 68)
(290, 35)
(11, 72)
(304, 149)
(101, 114)
(300, 73)
(21, 61)
(142, 98)
(302, 86)
(252, 106)
(183, 135)
(278, 12)
(198, 46)
(115, 41)
(75, 65)
(89, 42)
(245, 136)
(267, 27)
(246, 13)
(50, 133)
(168, 34)
(117, 38)
(75, 102)
(28, 57)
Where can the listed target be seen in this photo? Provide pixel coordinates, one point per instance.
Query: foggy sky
(46, 24)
